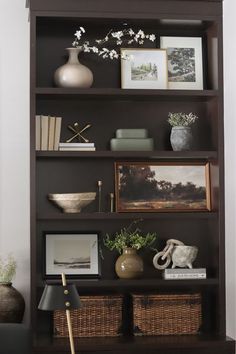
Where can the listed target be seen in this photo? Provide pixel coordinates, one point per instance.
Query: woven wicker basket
(166, 314)
(99, 316)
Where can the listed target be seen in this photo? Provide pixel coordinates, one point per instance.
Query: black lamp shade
(59, 297)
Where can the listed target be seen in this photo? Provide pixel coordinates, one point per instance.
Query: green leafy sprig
(129, 238)
(7, 269)
(181, 119)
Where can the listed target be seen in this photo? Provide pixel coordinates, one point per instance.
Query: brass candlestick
(99, 196)
(111, 202)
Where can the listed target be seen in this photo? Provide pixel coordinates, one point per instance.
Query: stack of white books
(77, 147)
(47, 132)
(184, 273)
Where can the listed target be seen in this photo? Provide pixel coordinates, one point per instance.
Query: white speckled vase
(73, 73)
(181, 138)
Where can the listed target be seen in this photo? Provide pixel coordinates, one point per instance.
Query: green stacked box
(132, 140)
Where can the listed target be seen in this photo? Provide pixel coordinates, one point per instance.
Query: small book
(184, 273)
(37, 132)
(51, 133)
(44, 132)
(57, 132)
(77, 149)
(82, 145)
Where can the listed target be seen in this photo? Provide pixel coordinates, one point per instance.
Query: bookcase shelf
(125, 94)
(152, 283)
(126, 216)
(108, 107)
(204, 343)
(157, 155)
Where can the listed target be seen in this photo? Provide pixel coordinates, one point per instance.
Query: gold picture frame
(162, 186)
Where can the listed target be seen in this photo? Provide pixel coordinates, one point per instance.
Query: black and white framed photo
(74, 254)
(144, 69)
(185, 62)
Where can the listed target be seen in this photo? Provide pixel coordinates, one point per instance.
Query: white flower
(95, 49)
(117, 35)
(141, 34)
(78, 34)
(152, 37)
(131, 32)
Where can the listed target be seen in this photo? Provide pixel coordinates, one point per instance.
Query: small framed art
(185, 67)
(154, 187)
(74, 254)
(144, 69)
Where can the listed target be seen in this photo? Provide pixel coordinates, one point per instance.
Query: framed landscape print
(185, 68)
(144, 69)
(74, 254)
(154, 187)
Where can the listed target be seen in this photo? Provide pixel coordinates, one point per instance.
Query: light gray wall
(14, 139)
(14, 145)
(230, 160)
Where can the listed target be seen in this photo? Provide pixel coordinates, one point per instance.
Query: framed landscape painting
(154, 187)
(74, 254)
(185, 68)
(144, 69)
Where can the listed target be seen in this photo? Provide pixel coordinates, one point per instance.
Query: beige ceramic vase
(129, 265)
(73, 73)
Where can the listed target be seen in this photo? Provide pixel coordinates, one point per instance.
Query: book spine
(57, 133)
(77, 149)
(185, 276)
(37, 132)
(44, 132)
(76, 145)
(51, 133)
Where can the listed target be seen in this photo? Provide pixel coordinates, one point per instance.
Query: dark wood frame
(52, 24)
(207, 186)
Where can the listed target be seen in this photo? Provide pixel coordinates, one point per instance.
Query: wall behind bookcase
(14, 145)
(14, 140)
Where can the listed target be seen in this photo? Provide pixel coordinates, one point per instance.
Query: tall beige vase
(129, 265)
(73, 73)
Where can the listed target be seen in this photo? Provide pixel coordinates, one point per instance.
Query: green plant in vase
(12, 304)
(127, 242)
(7, 269)
(181, 134)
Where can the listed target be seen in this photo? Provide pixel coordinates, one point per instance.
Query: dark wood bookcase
(108, 107)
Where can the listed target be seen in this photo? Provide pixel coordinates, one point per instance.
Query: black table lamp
(61, 297)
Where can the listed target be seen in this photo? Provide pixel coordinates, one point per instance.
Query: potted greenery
(181, 134)
(127, 242)
(12, 304)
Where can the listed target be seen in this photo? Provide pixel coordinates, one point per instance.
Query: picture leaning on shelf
(185, 62)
